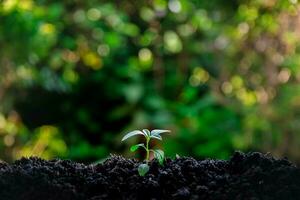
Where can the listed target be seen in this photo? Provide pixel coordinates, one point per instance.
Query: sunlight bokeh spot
(172, 42)
(174, 6)
(93, 14)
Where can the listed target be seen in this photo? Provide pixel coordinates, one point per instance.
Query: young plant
(158, 154)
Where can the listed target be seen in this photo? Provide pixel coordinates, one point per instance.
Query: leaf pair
(146, 133)
(144, 168)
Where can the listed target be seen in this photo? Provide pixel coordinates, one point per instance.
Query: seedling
(158, 154)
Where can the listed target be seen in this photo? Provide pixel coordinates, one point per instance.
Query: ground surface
(244, 176)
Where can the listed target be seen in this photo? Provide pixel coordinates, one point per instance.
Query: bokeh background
(76, 75)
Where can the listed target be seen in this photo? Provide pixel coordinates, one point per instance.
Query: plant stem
(147, 149)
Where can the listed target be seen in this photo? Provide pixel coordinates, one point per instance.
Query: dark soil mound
(244, 176)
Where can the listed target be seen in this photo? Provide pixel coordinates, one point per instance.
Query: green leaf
(159, 155)
(143, 169)
(158, 137)
(132, 133)
(159, 131)
(147, 132)
(135, 147)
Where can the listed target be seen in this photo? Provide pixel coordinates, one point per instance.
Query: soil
(244, 176)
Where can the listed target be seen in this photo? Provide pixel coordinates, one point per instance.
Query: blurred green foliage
(76, 75)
